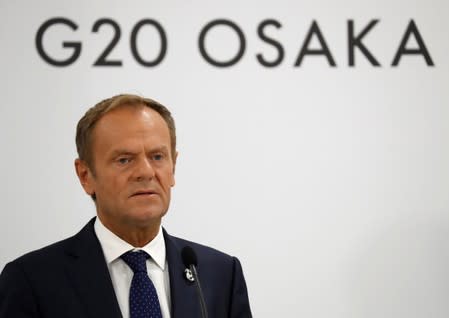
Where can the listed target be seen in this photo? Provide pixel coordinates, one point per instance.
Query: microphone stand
(199, 291)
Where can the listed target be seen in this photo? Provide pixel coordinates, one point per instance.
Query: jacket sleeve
(239, 299)
(16, 295)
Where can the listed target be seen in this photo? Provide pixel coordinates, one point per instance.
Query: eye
(123, 160)
(158, 157)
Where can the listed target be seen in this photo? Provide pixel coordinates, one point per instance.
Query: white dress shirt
(121, 274)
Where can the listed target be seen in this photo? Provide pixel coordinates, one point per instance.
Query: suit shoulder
(43, 256)
(204, 253)
(53, 253)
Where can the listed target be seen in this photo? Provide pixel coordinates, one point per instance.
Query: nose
(143, 170)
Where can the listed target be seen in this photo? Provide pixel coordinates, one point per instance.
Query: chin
(146, 218)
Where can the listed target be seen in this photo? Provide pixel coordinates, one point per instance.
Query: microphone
(190, 261)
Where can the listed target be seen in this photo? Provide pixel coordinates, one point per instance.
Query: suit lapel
(184, 301)
(89, 274)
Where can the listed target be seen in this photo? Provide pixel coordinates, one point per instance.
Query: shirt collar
(113, 246)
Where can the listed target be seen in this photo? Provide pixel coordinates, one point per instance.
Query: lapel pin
(188, 275)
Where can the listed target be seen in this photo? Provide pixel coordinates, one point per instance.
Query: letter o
(237, 30)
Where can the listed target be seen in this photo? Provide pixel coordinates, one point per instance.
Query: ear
(174, 169)
(85, 176)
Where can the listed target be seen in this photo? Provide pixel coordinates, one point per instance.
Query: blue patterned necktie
(143, 301)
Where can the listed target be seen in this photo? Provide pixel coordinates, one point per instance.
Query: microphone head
(189, 256)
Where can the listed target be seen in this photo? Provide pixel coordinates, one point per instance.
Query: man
(122, 263)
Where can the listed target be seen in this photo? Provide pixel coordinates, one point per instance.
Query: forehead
(128, 124)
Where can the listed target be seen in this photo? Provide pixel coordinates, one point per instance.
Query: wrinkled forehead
(130, 124)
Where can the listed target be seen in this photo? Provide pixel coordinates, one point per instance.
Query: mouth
(144, 193)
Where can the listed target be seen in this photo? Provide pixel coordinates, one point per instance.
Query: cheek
(120, 184)
(172, 180)
(113, 184)
(166, 178)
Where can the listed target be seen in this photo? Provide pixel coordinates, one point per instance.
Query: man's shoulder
(45, 257)
(205, 254)
(224, 284)
(50, 255)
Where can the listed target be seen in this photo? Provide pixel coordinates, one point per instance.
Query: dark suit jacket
(71, 279)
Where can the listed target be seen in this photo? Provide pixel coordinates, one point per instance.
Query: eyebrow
(159, 149)
(118, 152)
(124, 151)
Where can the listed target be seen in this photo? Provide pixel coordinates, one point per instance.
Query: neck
(136, 235)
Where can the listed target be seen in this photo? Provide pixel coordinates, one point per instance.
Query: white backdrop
(329, 183)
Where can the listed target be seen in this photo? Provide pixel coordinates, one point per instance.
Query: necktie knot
(136, 260)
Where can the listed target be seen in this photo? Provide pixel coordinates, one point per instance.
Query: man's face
(133, 167)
